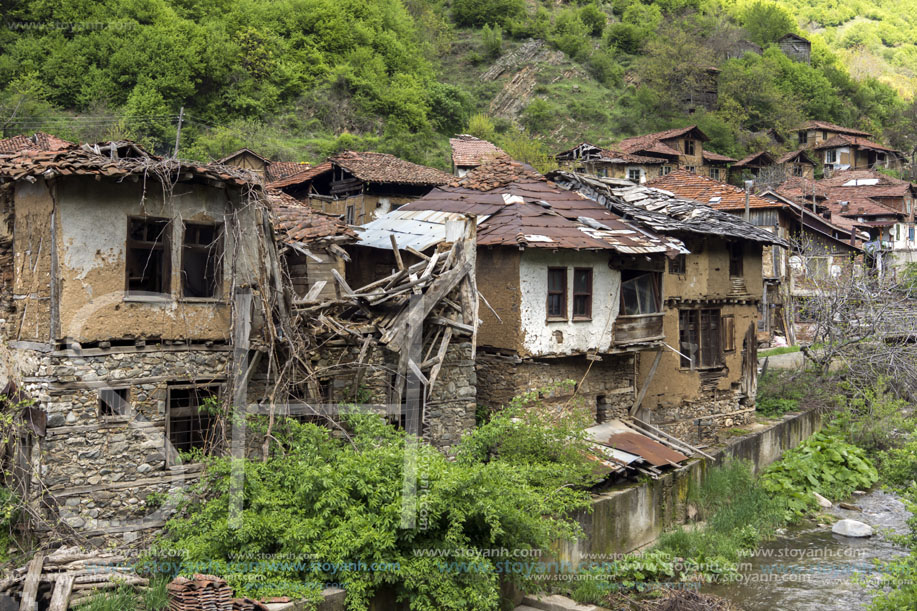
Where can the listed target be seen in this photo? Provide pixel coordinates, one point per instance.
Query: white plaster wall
(539, 337)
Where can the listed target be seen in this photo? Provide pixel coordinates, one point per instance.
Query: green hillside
(300, 79)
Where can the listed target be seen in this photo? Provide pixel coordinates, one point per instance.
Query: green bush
(823, 463)
(492, 39)
(594, 19)
(513, 483)
(481, 12)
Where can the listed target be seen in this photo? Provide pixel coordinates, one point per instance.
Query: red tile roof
(281, 169)
(831, 127)
(37, 142)
(297, 222)
(301, 177)
(755, 160)
(800, 156)
(382, 168)
(716, 194)
(711, 156)
(655, 142)
(468, 151)
(841, 140)
(526, 209)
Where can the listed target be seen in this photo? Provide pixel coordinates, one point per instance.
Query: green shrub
(772, 406)
(513, 483)
(481, 12)
(492, 39)
(594, 19)
(823, 463)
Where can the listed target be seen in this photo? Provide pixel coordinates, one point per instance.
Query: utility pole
(748, 185)
(181, 115)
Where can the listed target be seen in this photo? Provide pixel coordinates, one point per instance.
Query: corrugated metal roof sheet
(417, 229)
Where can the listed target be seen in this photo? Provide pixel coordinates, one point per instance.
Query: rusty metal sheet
(653, 452)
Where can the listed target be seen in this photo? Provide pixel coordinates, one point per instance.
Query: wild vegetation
(299, 79)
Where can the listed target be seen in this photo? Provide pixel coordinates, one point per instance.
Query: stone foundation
(608, 387)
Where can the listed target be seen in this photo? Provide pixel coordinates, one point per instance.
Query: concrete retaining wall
(627, 519)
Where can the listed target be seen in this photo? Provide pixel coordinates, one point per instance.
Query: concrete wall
(542, 337)
(632, 517)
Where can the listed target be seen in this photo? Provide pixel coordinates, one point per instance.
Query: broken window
(690, 168)
(666, 169)
(350, 215)
(191, 420)
(114, 401)
(699, 338)
(736, 260)
(797, 170)
(202, 257)
(831, 156)
(582, 293)
(557, 292)
(147, 257)
(678, 265)
(639, 293)
(689, 147)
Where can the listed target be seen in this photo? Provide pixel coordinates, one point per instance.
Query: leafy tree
(594, 18)
(492, 37)
(766, 22)
(481, 12)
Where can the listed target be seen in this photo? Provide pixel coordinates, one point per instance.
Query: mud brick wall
(608, 387)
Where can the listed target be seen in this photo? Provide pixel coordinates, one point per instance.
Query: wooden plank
(60, 599)
(396, 251)
(314, 291)
(30, 586)
(417, 372)
(341, 282)
(365, 352)
(417, 253)
(440, 356)
(646, 383)
(446, 322)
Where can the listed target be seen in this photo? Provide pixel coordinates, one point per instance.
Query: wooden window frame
(689, 146)
(171, 452)
(679, 265)
(164, 246)
(633, 170)
(214, 249)
(715, 173)
(586, 294)
(656, 284)
(728, 329)
(562, 292)
(736, 260)
(691, 168)
(350, 214)
(703, 329)
(107, 396)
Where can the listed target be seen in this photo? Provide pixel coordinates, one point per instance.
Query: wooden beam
(396, 251)
(60, 599)
(646, 383)
(30, 586)
(341, 282)
(440, 357)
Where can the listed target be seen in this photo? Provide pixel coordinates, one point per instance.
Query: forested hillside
(300, 79)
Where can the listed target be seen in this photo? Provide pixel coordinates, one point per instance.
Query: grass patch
(778, 350)
(782, 391)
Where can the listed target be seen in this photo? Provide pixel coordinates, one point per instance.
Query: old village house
(361, 186)
(707, 376)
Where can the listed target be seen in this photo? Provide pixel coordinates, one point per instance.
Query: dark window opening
(715, 173)
(582, 293)
(678, 265)
(689, 147)
(114, 401)
(666, 170)
(557, 292)
(736, 260)
(639, 293)
(350, 215)
(797, 170)
(202, 258)
(148, 257)
(699, 338)
(192, 421)
(633, 175)
(601, 409)
(729, 332)
(803, 137)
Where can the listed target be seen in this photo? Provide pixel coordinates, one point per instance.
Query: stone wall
(609, 383)
(96, 471)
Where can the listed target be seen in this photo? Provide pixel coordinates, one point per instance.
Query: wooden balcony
(638, 329)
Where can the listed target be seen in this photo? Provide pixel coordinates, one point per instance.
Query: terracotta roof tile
(655, 142)
(711, 156)
(755, 160)
(388, 169)
(468, 151)
(716, 194)
(37, 142)
(301, 177)
(800, 156)
(297, 222)
(281, 169)
(833, 128)
(842, 140)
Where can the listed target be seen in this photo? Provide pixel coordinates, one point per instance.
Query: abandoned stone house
(361, 186)
(749, 167)
(799, 164)
(843, 148)
(678, 148)
(810, 230)
(131, 284)
(591, 159)
(571, 290)
(705, 377)
(796, 48)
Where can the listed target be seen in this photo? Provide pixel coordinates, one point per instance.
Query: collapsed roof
(661, 210)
